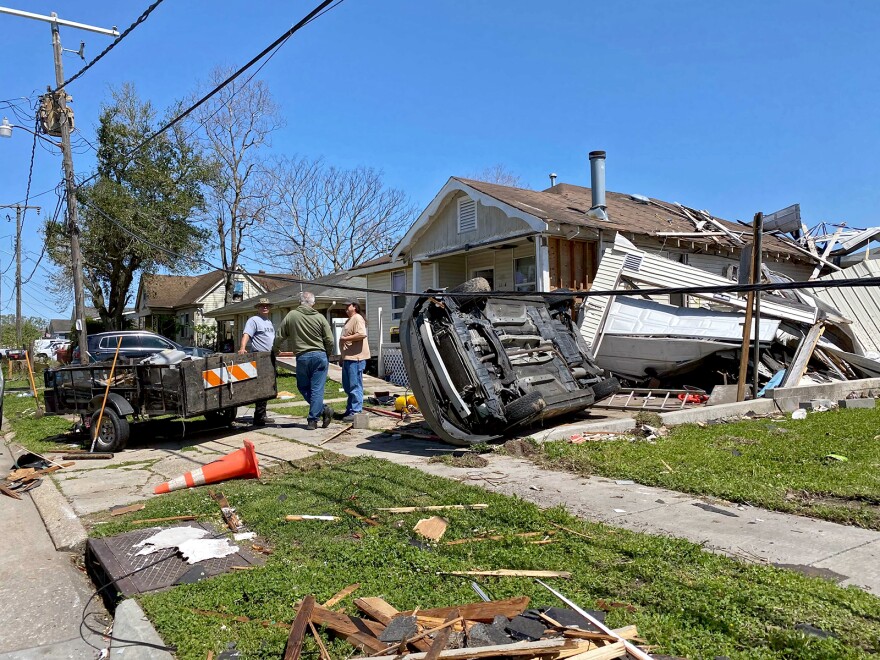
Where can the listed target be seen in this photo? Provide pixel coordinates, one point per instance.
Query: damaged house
(529, 240)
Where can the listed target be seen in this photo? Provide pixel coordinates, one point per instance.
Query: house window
(398, 283)
(486, 273)
(238, 290)
(467, 215)
(525, 274)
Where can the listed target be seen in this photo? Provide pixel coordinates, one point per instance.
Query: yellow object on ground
(402, 402)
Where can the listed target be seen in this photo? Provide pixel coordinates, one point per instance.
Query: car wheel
(524, 407)
(114, 432)
(477, 285)
(222, 417)
(605, 388)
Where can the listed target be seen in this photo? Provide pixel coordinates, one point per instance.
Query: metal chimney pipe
(552, 179)
(597, 184)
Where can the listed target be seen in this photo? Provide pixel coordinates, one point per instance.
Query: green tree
(136, 215)
(32, 327)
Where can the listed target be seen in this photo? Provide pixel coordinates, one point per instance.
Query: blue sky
(733, 107)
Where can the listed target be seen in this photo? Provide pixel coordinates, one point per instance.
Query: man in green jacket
(309, 337)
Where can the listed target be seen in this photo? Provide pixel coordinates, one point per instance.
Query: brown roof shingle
(568, 204)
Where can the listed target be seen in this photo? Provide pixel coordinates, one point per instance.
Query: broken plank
(122, 510)
(432, 528)
(509, 572)
(345, 593)
(802, 356)
(543, 647)
(168, 519)
(232, 520)
(335, 435)
(608, 652)
(441, 639)
(322, 650)
(9, 493)
(484, 612)
(356, 631)
(87, 456)
(363, 519)
(436, 507)
(298, 629)
(298, 518)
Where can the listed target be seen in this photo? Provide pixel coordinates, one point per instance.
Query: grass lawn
(775, 464)
(287, 382)
(37, 434)
(684, 600)
(302, 410)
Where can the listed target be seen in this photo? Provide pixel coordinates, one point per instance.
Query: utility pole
(18, 218)
(60, 97)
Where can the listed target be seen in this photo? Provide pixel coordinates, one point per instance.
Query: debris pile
(490, 629)
(805, 336)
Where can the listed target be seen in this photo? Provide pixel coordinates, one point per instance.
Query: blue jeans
(311, 376)
(353, 384)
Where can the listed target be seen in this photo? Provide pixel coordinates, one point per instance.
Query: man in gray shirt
(260, 333)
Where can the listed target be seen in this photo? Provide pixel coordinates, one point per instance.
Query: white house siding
(451, 271)
(374, 302)
(442, 234)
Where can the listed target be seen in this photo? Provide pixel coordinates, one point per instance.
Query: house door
(487, 273)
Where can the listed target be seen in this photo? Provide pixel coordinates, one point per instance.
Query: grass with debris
(286, 382)
(785, 465)
(684, 600)
(48, 433)
(302, 410)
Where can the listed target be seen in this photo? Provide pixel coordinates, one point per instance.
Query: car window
(155, 342)
(128, 341)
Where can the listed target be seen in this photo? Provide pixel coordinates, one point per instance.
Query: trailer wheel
(114, 431)
(222, 417)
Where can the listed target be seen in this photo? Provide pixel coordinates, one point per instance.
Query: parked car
(135, 344)
(16, 353)
(48, 348)
(482, 366)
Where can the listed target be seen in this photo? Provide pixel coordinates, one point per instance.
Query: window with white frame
(525, 274)
(398, 302)
(467, 215)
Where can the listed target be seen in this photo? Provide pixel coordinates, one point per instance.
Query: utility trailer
(214, 386)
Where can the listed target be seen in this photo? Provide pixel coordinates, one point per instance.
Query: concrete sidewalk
(42, 593)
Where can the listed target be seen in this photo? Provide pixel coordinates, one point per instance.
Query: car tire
(222, 417)
(521, 409)
(605, 388)
(478, 285)
(114, 433)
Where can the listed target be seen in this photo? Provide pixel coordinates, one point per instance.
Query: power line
(113, 44)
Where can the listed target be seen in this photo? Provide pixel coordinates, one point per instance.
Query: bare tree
(235, 125)
(327, 219)
(499, 174)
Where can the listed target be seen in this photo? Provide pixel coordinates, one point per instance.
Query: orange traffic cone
(241, 463)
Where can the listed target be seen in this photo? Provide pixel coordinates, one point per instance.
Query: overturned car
(481, 366)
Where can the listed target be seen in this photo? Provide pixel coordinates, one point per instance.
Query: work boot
(327, 416)
(259, 421)
(312, 425)
(348, 419)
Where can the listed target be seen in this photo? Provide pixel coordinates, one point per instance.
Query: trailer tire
(114, 431)
(222, 417)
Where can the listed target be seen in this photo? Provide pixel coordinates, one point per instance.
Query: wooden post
(757, 261)
(744, 352)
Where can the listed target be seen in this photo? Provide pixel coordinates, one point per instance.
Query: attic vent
(467, 215)
(632, 262)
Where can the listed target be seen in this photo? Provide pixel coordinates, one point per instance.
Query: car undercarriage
(481, 366)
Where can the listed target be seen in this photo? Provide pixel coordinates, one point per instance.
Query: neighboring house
(528, 240)
(59, 328)
(330, 299)
(176, 305)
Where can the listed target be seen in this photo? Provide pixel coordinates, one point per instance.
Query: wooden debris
(432, 528)
(543, 647)
(357, 632)
(603, 604)
(383, 612)
(498, 537)
(210, 655)
(335, 435)
(298, 518)
(322, 650)
(122, 510)
(436, 507)
(484, 612)
(87, 456)
(442, 638)
(363, 519)
(20, 473)
(298, 629)
(608, 652)
(232, 520)
(345, 593)
(507, 572)
(168, 519)
(9, 493)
